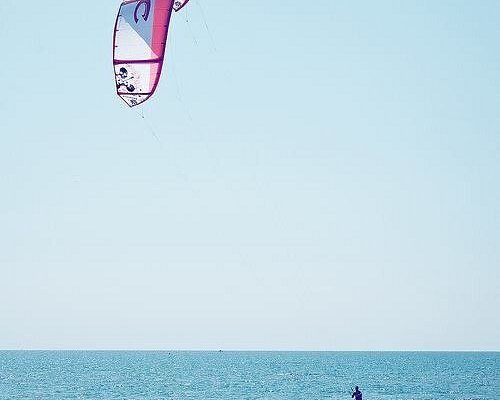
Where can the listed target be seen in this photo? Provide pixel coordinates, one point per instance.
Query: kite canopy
(139, 44)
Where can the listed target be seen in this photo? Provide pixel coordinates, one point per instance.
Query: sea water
(248, 375)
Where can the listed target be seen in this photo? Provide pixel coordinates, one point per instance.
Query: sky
(308, 176)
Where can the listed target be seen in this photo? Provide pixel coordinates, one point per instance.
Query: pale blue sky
(326, 177)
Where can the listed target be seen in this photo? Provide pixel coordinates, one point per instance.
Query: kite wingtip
(179, 4)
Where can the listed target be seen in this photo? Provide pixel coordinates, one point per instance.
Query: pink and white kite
(139, 44)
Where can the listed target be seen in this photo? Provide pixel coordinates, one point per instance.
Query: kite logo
(123, 79)
(145, 14)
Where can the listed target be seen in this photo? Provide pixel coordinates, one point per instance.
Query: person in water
(357, 395)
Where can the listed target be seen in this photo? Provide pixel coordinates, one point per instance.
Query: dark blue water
(250, 375)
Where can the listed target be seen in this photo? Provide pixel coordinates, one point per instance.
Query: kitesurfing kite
(139, 44)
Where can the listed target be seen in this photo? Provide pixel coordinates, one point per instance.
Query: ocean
(158, 375)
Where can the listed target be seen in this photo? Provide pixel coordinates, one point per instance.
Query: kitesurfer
(357, 395)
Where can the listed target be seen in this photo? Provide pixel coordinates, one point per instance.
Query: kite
(139, 42)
